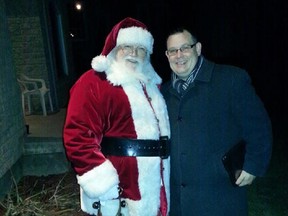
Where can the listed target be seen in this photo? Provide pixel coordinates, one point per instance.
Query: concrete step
(43, 145)
(44, 156)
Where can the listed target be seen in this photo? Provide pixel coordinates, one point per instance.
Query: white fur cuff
(99, 180)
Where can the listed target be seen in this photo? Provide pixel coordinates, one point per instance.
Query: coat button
(123, 204)
(183, 185)
(96, 205)
(179, 118)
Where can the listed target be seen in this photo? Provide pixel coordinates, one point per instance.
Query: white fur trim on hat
(135, 35)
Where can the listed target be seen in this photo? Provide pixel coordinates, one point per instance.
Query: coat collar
(205, 72)
(204, 75)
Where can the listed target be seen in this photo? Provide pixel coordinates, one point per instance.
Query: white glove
(245, 179)
(113, 193)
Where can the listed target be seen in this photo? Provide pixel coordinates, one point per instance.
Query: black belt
(135, 147)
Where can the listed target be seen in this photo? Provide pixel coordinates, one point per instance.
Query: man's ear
(198, 48)
(166, 53)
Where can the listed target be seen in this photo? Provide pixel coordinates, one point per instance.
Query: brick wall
(26, 46)
(12, 126)
(28, 50)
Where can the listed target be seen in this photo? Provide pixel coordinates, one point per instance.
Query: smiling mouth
(132, 61)
(181, 62)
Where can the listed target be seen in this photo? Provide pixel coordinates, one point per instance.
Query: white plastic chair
(31, 86)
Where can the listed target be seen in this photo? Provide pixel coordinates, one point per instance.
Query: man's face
(182, 53)
(132, 56)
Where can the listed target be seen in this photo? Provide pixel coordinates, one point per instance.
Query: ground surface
(52, 195)
(58, 195)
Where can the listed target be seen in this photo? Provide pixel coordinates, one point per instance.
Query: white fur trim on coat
(99, 180)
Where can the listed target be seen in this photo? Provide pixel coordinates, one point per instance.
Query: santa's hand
(113, 193)
(245, 179)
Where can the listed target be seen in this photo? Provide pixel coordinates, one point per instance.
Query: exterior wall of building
(28, 50)
(12, 125)
(27, 45)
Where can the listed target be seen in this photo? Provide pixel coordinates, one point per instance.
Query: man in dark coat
(211, 108)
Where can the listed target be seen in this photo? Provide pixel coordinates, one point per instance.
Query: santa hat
(127, 31)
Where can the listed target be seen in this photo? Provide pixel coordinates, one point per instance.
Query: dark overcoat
(218, 110)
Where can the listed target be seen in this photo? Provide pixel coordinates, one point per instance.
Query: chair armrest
(41, 81)
(28, 83)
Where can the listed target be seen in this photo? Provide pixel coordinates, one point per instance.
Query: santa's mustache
(132, 59)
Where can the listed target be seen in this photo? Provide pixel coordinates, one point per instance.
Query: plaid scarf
(182, 85)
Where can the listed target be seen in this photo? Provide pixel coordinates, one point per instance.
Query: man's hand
(245, 179)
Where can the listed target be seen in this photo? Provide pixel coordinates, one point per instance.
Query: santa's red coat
(107, 104)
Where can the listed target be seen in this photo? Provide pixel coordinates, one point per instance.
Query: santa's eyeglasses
(129, 49)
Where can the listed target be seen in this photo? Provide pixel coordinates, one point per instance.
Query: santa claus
(116, 132)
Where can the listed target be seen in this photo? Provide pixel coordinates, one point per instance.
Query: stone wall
(27, 46)
(28, 50)
(12, 125)
(26, 37)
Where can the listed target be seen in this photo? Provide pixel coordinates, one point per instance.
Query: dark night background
(251, 34)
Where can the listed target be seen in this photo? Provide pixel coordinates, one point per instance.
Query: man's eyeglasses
(129, 49)
(183, 49)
